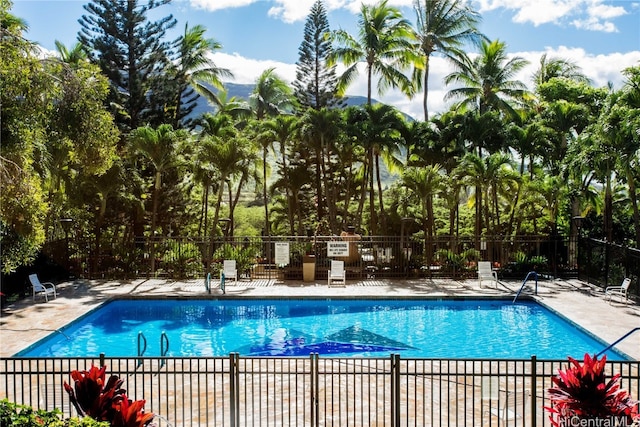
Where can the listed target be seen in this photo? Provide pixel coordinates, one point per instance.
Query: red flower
(131, 414)
(583, 391)
(105, 401)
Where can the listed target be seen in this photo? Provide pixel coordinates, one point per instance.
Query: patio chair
(621, 291)
(513, 406)
(485, 272)
(46, 288)
(337, 273)
(229, 270)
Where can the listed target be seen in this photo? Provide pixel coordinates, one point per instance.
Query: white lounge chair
(485, 272)
(337, 273)
(513, 407)
(46, 288)
(229, 270)
(621, 291)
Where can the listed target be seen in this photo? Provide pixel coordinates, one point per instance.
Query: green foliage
(315, 83)
(451, 261)
(15, 415)
(181, 257)
(521, 262)
(249, 220)
(244, 255)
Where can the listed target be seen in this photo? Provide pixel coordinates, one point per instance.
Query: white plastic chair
(513, 406)
(229, 270)
(621, 291)
(46, 288)
(485, 272)
(337, 273)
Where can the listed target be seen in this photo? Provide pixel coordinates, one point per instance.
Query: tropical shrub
(180, 258)
(245, 256)
(105, 401)
(451, 261)
(15, 415)
(582, 395)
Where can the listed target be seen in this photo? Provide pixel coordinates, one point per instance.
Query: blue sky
(601, 36)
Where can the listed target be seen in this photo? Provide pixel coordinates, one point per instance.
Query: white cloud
(247, 70)
(601, 69)
(593, 15)
(211, 5)
(291, 10)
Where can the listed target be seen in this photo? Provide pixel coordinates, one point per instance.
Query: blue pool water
(292, 327)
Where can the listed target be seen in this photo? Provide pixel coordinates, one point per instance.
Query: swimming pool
(297, 327)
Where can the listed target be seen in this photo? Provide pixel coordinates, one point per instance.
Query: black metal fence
(607, 264)
(313, 391)
(283, 256)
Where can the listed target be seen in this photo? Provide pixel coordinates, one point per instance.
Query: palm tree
(424, 183)
(384, 44)
(271, 96)
(320, 129)
(74, 56)
(195, 68)
(486, 82)
(233, 107)
(159, 146)
(558, 67)
(444, 27)
(382, 137)
(283, 130)
(212, 127)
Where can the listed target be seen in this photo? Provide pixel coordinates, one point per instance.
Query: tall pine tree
(315, 84)
(130, 51)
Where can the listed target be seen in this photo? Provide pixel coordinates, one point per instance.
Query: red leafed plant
(105, 401)
(583, 392)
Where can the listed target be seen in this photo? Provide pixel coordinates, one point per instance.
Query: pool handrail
(141, 339)
(163, 349)
(610, 346)
(524, 283)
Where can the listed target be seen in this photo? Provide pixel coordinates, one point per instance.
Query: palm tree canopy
(487, 81)
(443, 27)
(558, 67)
(196, 65)
(384, 43)
(73, 56)
(271, 95)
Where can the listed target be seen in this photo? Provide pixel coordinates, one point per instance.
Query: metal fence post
(534, 393)
(234, 391)
(395, 390)
(315, 390)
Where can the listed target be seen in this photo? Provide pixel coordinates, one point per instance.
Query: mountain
(242, 91)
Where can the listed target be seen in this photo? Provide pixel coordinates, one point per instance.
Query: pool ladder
(531, 273)
(142, 346)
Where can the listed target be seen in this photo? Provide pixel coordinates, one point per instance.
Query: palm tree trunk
(383, 216)
(285, 174)
(372, 204)
(267, 226)
(154, 215)
(634, 205)
(363, 194)
(426, 90)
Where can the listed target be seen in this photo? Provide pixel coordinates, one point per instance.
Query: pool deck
(24, 322)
